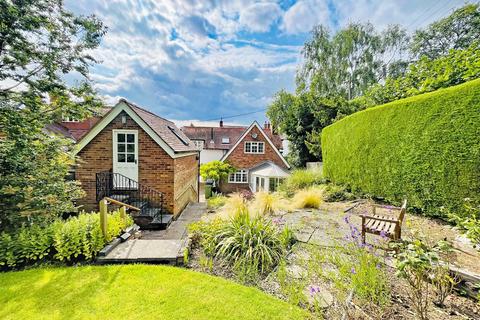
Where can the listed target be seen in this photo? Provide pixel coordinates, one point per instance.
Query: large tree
(44, 66)
(457, 31)
(348, 62)
(336, 69)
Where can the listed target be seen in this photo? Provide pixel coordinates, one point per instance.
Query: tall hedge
(425, 148)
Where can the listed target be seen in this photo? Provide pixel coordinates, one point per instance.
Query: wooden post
(103, 216)
(123, 213)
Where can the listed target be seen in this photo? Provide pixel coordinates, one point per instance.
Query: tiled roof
(166, 129)
(216, 134)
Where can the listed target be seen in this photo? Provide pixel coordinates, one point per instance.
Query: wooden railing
(103, 204)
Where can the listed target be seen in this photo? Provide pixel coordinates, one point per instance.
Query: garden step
(139, 204)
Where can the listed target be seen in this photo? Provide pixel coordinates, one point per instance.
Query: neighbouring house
(215, 142)
(132, 155)
(255, 153)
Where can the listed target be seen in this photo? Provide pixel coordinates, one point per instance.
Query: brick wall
(241, 160)
(186, 182)
(156, 167)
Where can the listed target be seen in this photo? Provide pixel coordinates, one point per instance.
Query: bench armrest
(364, 216)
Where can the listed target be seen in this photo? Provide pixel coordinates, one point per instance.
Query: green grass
(133, 292)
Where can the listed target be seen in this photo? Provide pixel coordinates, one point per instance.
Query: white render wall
(207, 155)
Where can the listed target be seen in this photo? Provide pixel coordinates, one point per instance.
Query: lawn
(134, 292)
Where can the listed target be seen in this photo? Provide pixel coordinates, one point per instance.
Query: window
(126, 147)
(225, 140)
(199, 144)
(274, 183)
(241, 176)
(254, 147)
(69, 119)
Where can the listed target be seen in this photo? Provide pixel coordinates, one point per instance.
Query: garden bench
(387, 225)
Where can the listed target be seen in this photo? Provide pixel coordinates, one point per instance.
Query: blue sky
(201, 60)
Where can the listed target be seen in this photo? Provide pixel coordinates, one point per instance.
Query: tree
(302, 117)
(41, 45)
(457, 31)
(345, 64)
(216, 170)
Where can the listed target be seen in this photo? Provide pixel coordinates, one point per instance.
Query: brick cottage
(259, 163)
(133, 153)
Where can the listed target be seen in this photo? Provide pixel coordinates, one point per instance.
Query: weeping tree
(41, 46)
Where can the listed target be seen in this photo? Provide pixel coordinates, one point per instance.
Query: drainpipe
(198, 176)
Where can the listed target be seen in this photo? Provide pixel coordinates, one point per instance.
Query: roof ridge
(143, 109)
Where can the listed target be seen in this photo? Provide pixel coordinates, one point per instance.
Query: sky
(198, 61)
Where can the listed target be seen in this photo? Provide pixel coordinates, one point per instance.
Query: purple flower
(352, 271)
(378, 266)
(383, 235)
(314, 290)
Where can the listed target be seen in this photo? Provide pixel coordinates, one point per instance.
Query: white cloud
(259, 17)
(303, 15)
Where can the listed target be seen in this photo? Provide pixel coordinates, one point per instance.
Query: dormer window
(254, 147)
(69, 119)
(225, 140)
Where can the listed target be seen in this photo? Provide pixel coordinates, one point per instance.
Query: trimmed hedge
(425, 148)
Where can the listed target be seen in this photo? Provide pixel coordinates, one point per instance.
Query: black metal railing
(122, 188)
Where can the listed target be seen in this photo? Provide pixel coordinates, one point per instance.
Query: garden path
(159, 246)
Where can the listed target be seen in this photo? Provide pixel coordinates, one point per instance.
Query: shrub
(308, 198)
(333, 192)
(27, 246)
(78, 238)
(418, 263)
(468, 220)
(424, 148)
(81, 237)
(266, 203)
(250, 244)
(300, 179)
(234, 204)
(216, 201)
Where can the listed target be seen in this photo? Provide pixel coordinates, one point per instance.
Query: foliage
(216, 201)
(333, 192)
(301, 179)
(468, 220)
(417, 263)
(249, 245)
(424, 148)
(301, 118)
(78, 238)
(41, 46)
(234, 204)
(267, 203)
(216, 170)
(348, 62)
(106, 292)
(457, 31)
(308, 198)
(427, 74)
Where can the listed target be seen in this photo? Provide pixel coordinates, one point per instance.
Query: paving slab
(158, 246)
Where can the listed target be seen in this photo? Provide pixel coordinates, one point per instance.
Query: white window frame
(238, 177)
(69, 119)
(252, 144)
(200, 144)
(225, 140)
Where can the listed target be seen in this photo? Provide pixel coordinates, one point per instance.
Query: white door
(259, 184)
(125, 157)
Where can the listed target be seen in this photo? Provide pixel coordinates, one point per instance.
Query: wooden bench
(388, 225)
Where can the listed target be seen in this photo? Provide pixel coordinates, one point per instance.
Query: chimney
(266, 126)
(221, 122)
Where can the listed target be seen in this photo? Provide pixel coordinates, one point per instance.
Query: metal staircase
(150, 201)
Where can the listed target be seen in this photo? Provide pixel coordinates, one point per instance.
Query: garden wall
(425, 148)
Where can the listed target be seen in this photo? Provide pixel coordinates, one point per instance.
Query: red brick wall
(241, 160)
(186, 181)
(156, 167)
